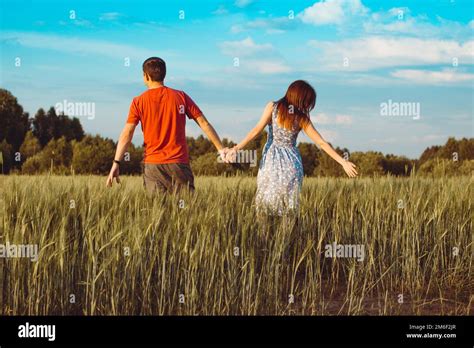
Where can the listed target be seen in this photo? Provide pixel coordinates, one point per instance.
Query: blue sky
(357, 54)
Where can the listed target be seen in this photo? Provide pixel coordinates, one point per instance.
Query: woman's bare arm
(264, 120)
(313, 134)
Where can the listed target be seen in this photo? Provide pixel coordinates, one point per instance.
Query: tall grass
(118, 251)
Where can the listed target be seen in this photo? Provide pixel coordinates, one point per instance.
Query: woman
(280, 174)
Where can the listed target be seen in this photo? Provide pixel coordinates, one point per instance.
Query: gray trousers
(167, 177)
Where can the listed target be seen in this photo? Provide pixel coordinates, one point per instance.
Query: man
(162, 113)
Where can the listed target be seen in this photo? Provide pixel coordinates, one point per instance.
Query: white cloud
(244, 48)
(76, 45)
(379, 52)
(267, 66)
(82, 23)
(394, 26)
(399, 11)
(221, 10)
(389, 23)
(270, 25)
(351, 15)
(253, 57)
(400, 20)
(332, 11)
(433, 77)
(110, 16)
(243, 3)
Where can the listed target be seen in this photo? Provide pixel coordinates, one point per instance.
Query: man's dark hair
(155, 68)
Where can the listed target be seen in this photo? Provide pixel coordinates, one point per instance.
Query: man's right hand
(231, 155)
(223, 153)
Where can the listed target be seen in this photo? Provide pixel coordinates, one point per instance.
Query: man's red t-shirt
(162, 113)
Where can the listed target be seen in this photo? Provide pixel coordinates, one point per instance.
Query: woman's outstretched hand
(349, 168)
(223, 154)
(231, 155)
(228, 155)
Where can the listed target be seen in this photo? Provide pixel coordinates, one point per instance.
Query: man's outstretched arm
(211, 133)
(124, 141)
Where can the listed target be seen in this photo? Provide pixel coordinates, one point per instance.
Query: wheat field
(119, 251)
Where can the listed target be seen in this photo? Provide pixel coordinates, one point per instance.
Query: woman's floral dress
(280, 174)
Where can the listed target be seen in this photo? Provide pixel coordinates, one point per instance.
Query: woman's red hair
(295, 106)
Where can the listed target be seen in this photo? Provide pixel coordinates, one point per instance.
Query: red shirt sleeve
(192, 110)
(134, 113)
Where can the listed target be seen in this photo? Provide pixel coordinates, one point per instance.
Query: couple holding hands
(162, 113)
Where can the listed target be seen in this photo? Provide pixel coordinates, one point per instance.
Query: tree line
(52, 143)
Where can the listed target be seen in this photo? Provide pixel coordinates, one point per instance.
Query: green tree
(49, 125)
(42, 127)
(199, 146)
(69, 128)
(369, 163)
(58, 152)
(397, 165)
(93, 155)
(131, 163)
(465, 149)
(449, 149)
(77, 132)
(30, 147)
(429, 153)
(328, 166)
(34, 165)
(453, 149)
(209, 164)
(309, 156)
(6, 151)
(56, 156)
(14, 122)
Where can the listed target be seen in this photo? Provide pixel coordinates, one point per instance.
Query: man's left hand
(114, 173)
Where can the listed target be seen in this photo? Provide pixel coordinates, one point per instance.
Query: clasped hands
(228, 155)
